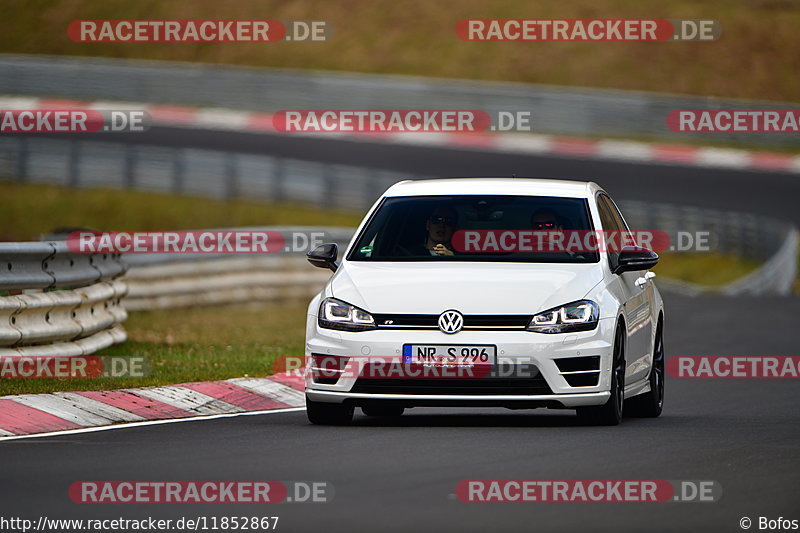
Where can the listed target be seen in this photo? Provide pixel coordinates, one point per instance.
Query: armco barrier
(51, 265)
(55, 302)
(157, 281)
(195, 172)
(223, 280)
(766, 240)
(554, 109)
(776, 276)
(745, 235)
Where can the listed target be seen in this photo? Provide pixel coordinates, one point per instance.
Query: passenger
(545, 219)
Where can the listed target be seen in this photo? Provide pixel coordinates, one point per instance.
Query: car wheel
(610, 414)
(328, 414)
(382, 410)
(651, 403)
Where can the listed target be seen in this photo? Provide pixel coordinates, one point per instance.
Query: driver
(440, 226)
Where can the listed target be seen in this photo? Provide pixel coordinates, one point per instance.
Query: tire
(328, 414)
(610, 414)
(651, 403)
(382, 410)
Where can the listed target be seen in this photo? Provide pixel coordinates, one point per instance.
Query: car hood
(474, 288)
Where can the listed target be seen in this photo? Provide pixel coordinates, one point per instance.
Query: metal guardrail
(776, 276)
(221, 281)
(338, 235)
(51, 265)
(770, 241)
(159, 281)
(196, 172)
(59, 302)
(554, 109)
(66, 323)
(745, 235)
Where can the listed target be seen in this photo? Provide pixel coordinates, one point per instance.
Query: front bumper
(513, 348)
(513, 401)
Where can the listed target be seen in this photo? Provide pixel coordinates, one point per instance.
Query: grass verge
(194, 344)
(710, 269)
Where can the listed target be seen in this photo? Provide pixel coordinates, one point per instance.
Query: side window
(607, 218)
(617, 215)
(629, 235)
(611, 221)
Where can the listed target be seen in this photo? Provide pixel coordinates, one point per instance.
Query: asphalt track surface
(398, 475)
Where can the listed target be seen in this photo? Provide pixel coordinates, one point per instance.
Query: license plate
(449, 354)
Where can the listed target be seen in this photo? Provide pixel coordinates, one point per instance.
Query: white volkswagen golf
(500, 292)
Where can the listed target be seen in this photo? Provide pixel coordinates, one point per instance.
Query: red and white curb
(29, 414)
(519, 143)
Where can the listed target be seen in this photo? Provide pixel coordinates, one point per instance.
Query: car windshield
(474, 228)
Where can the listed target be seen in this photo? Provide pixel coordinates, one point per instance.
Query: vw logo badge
(451, 321)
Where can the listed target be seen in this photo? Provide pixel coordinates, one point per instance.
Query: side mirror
(324, 256)
(633, 258)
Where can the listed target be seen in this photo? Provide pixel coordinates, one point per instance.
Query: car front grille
(471, 322)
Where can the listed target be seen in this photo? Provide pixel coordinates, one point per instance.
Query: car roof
(494, 186)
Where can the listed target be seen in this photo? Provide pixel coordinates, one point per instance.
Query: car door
(638, 295)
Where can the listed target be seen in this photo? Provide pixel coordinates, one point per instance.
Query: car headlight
(576, 316)
(336, 314)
